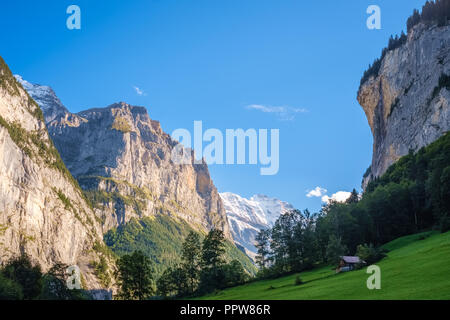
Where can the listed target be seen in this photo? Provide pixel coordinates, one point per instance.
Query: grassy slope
(413, 269)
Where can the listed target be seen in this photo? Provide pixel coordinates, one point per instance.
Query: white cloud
(317, 192)
(139, 91)
(340, 196)
(282, 112)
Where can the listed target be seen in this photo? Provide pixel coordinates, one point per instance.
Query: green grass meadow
(416, 267)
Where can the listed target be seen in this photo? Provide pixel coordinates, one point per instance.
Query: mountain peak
(45, 98)
(120, 151)
(247, 216)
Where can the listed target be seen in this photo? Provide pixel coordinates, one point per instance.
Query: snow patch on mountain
(45, 98)
(247, 216)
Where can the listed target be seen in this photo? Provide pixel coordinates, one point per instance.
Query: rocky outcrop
(42, 210)
(122, 160)
(407, 101)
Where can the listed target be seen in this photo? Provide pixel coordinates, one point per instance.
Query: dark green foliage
(354, 197)
(201, 271)
(54, 286)
(212, 279)
(213, 249)
(174, 282)
(191, 258)
(433, 12)
(335, 249)
(212, 275)
(444, 82)
(20, 278)
(166, 286)
(293, 243)
(413, 195)
(263, 245)
(298, 281)
(423, 180)
(134, 275)
(233, 253)
(234, 274)
(370, 254)
(102, 271)
(367, 172)
(9, 290)
(160, 238)
(25, 273)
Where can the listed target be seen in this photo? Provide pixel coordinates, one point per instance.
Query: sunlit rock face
(122, 160)
(405, 105)
(42, 210)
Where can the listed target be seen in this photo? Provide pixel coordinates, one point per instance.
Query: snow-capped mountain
(45, 98)
(247, 216)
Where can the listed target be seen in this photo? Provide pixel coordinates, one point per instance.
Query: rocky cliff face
(407, 102)
(42, 210)
(122, 160)
(248, 216)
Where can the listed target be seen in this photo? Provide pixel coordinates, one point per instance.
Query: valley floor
(417, 267)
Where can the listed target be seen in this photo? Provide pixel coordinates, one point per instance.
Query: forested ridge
(413, 195)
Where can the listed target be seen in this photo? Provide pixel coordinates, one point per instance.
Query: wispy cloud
(139, 91)
(316, 192)
(284, 113)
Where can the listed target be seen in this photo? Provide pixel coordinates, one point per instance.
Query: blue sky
(208, 60)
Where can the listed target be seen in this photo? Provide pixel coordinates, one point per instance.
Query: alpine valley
(97, 190)
(71, 183)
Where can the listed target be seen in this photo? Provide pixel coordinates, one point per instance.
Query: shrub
(9, 290)
(369, 253)
(22, 271)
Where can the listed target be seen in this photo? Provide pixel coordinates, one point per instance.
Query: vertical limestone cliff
(407, 101)
(122, 160)
(42, 210)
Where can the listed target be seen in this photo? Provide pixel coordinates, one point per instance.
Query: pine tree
(213, 249)
(354, 197)
(134, 275)
(263, 245)
(191, 257)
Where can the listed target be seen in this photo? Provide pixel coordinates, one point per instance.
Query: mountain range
(248, 216)
(121, 159)
(67, 179)
(76, 186)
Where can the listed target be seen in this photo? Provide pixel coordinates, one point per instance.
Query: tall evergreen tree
(212, 273)
(134, 275)
(263, 245)
(191, 257)
(213, 249)
(354, 197)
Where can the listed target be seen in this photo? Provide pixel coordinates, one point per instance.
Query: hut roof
(351, 259)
